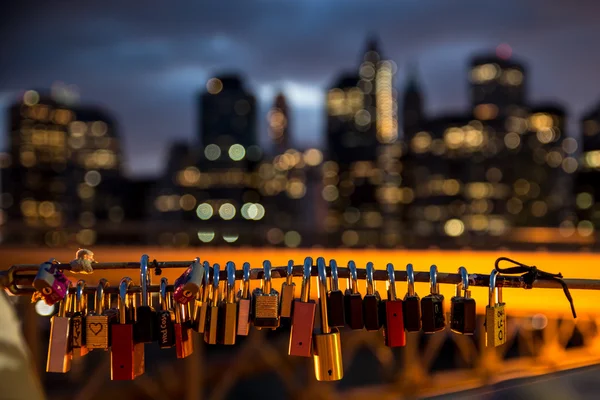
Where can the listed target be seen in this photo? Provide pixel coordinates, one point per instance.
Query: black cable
(531, 273)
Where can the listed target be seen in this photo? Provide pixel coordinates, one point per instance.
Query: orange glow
(550, 302)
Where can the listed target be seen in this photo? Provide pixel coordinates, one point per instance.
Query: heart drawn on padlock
(96, 328)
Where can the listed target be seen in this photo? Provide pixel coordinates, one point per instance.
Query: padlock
(211, 332)
(392, 314)
(303, 319)
(244, 307)
(51, 282)
(202, 302)
(463, 312)
(371, 302)
(495, 315)
(60, 350)
(184, 345)
(145, 315)
(411, 304)
(353, 302)
(228, 313)
(288, 292)
(188, 285)
(98, 322)
(78, 324)
(335, 298)
(165, 319)
(327, 345)
(127, 356)
(265, 302)
(432, 306)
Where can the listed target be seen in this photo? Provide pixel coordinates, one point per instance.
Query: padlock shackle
(433, 285)
(305, 292)
(353, 277)
(464, 283)
(323, 295)
(494, 290)
(369, 278)
(144, 278)
(80, 303)
(335, 283)
(123, 288)
(65, 304)
(206, 284)
(289, 275)
(230, 267)
(410, 278)
(267, 277)
(215, 291)
(246, 281)
(162, 293)
(391, 282)
(100, 299)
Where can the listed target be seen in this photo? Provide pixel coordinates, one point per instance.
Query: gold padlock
(98, 321)
(327, 345)
(211, 333)
(78, 325)
(202, 302)
(288, 290)
(228, 314)
(495, 316)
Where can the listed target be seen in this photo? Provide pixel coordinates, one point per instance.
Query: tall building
(65, 171)
(361, 121)
(497, 86)
(587, 191)
(413, 116)
(227, 114)
(278, 119)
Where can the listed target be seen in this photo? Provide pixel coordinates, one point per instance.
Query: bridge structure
(542, 337)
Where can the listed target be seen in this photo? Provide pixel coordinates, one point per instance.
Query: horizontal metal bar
(19, 278)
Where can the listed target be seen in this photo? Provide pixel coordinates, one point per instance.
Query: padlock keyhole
(299, 343)
(330, 372)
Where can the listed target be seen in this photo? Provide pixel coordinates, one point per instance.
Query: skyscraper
(278, 119)
(65, 170)
(227, 114)
(362, 118)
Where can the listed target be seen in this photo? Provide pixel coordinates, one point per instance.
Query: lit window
(204, 211)
(214, 86)
(237, 152)
(212, 152)
(227, 211)
(454, 227)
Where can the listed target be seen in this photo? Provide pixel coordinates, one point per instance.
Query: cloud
(146, 59)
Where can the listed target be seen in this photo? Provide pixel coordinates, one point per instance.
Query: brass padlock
(97, 322)
(202, 302)
(288, 291)
(78, 325)
(60, 351)
(327, 345)
(211, 331)
(265, 302)
(228, 312)
(495, 316)
(244, 307)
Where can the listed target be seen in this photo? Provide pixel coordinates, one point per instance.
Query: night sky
(145, 60)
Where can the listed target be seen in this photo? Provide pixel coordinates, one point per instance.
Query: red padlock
(127, 357)
(303, 317)
(392, 315)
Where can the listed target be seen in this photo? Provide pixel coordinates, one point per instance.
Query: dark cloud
(145, 60)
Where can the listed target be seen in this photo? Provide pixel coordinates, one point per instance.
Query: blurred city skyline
(146, 70)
